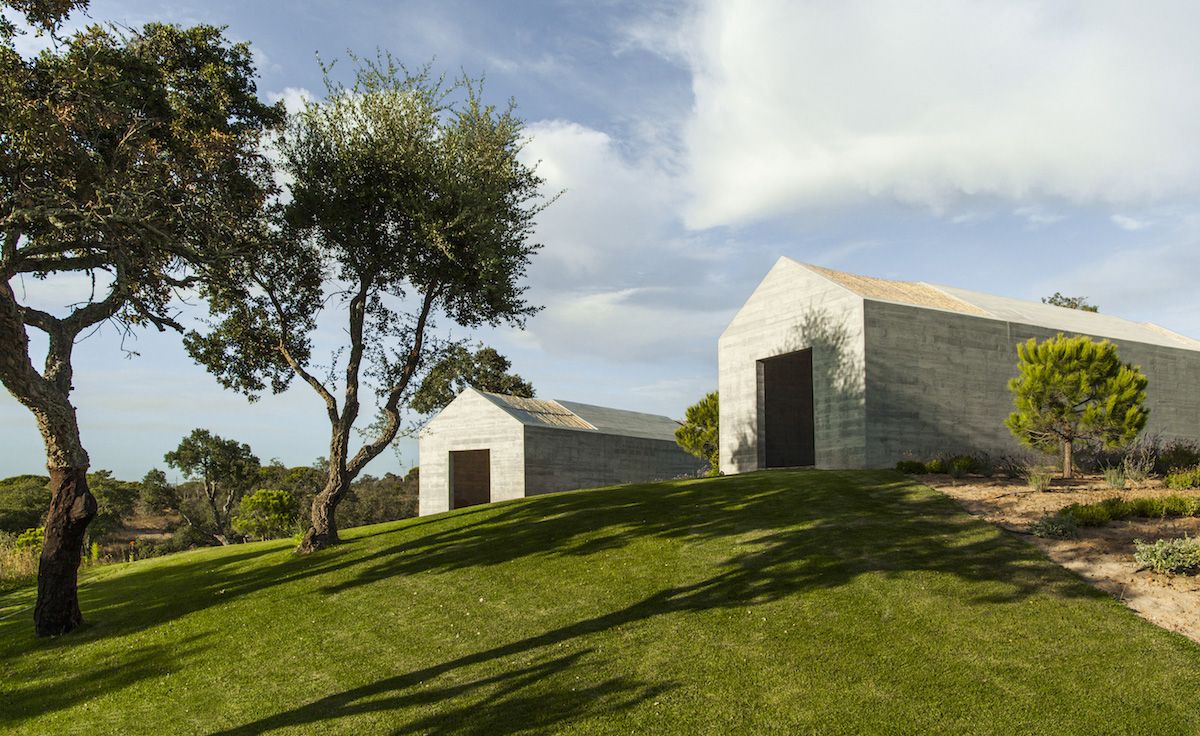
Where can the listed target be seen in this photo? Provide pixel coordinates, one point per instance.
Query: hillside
(777, 602)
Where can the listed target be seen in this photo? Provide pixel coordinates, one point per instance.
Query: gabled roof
(583, 417)
(963, 301)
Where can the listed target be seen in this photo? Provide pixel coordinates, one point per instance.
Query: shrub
(984, 465)
(1055, 526)
(1114, 477)
(31, 540)
(1168, 555)
(1180, 479)
(1175, 454)
(1139, 461)
(1092, 514)
(961, 465)
(266, 514)
(1038, 477)
(1011, 466)
(936, 465)
(910, 467)
(18, 565)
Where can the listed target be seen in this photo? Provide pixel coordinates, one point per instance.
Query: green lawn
(780, 602)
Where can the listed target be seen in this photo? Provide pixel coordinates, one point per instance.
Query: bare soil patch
(1101, 555)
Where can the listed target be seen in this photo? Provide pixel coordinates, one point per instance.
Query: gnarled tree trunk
(72, 507)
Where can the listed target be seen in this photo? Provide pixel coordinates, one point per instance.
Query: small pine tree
(700, 431)
(1074, 390)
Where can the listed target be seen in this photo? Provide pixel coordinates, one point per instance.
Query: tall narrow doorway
(470, 477)
(787, 436)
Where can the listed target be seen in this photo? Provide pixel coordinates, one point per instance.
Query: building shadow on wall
(838, 381)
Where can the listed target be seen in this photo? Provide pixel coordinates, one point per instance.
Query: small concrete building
(833, 370)
(489, 447)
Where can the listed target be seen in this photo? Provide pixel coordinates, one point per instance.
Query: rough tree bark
(1068, 458)
(46, 395)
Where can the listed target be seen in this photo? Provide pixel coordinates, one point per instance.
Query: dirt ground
(1103, 556)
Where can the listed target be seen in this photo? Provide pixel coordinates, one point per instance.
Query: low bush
(18, 564)
(267, 514)
(1091, 514)
(911, 467)
(1114, 477)
(1168, 555)
(961, 465)
(1180, 479)
(1038, 477)
(1138, 463)
(936, 465)
(1176, 454)
(1055, 526)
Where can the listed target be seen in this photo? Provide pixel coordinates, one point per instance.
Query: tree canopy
(485, 369)
(1074, 390)
(409, 202)
(1070, 302)
(227, 469)
(132, 160)
(700, 432)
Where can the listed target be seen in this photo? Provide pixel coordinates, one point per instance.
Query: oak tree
(131, 162)
(409, 203)
(484, 368)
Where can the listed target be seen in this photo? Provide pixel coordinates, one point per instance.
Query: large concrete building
(488, 447)
(835, 370)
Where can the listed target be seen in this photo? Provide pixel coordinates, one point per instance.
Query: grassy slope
(774, 602)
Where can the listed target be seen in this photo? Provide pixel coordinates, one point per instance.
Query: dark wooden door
(470, 477)
(787, 395)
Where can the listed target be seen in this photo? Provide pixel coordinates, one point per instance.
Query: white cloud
(801, 105)
(294, 98)
(1125, 222)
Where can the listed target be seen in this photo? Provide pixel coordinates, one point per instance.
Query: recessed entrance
(470, 477)
(786, 430)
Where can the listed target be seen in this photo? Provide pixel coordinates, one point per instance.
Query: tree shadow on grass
(516, 699)
(777, 533)
(788, 532)
(70, 686)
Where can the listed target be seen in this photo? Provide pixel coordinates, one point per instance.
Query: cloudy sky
(1009, 147)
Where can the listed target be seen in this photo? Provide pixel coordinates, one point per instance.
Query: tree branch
(331, 407)
(391, 409)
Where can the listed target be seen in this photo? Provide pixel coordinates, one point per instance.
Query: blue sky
(1015, 148)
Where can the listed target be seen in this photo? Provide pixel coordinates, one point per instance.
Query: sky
(1015, 148)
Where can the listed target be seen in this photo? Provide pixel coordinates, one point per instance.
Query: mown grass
(780, 602)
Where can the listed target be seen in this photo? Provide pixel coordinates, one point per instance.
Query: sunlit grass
(781, 602)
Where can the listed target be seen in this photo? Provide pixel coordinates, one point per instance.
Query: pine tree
(700, 429)
(1075, 390)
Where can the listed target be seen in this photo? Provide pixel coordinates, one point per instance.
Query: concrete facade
(538, 446)
(910, 368)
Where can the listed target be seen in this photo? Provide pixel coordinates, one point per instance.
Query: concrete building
(836, 370)
(488, 447)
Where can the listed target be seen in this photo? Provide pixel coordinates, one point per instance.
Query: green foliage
(1070, 302)
(1181, 479)
(484, 369)
(1038, 477)
(115, 501)
(936, 465)
(23, 502)
(1114, 477)
(388, 498)
(1055, 526)
(1075, 390)
(267, 514)
(225, 470)
(960, 466)
(1168, 555)
(31, 539)
(700, 432)
(1177, 453)
(911, 467)
(1116, 508)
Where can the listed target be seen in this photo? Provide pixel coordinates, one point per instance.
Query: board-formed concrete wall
(793, 309)
(567, 459)
(471, 422)
(937, 382)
